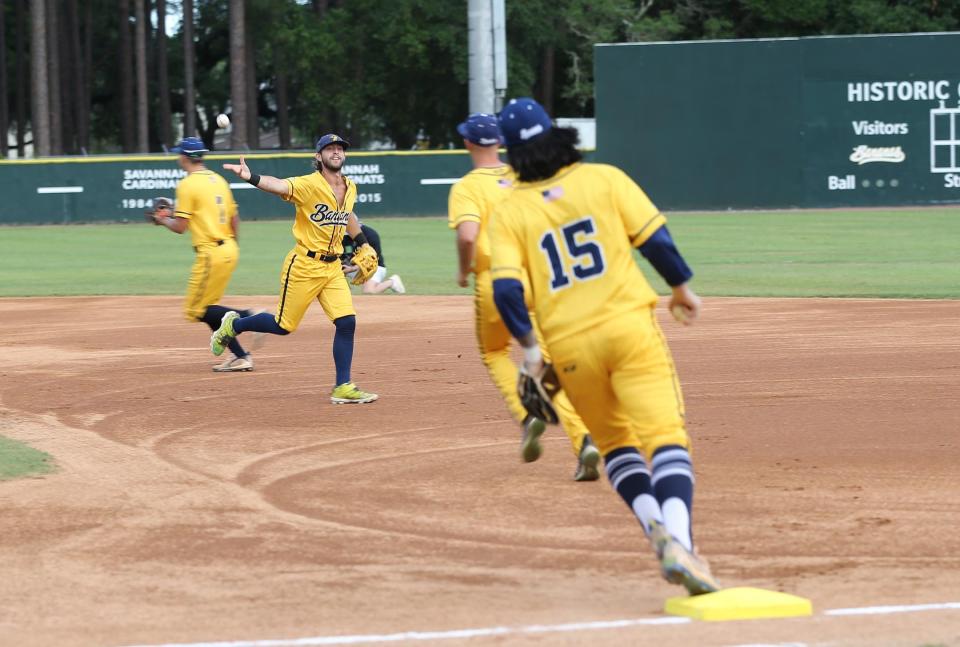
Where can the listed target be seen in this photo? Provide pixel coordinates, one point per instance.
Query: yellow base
(740, 603)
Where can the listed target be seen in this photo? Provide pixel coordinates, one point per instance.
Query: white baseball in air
(223, 120)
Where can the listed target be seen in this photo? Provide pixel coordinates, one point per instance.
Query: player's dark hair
(544, 156)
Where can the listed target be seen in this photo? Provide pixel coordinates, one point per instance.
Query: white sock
(647, 509)
(676, 518)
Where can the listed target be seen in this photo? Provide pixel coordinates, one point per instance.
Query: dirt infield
(195, 507)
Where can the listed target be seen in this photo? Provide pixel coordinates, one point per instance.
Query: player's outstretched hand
(350, 271)
(685, 305)
(240, 169)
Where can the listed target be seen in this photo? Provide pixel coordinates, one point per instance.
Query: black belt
(326, 258)
(218, 242)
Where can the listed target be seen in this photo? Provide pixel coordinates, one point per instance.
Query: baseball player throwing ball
(205, 205)
(311, 271)
(472, 201)
(572, 228)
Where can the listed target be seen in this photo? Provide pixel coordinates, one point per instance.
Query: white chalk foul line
(912, 608)
(435, 635)
(360, 639)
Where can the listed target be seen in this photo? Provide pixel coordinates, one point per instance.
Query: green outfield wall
(118, 188)
(802, 122)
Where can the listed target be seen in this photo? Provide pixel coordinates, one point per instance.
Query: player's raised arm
(266, 183)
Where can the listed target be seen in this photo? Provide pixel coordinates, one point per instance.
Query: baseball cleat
(681, 566)
(659, 537)
(223, 335)
(588, 461)
(398, 284)
(348, 393)
(530, 447)
(234, 364)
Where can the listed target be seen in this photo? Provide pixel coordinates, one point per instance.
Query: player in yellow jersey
(311, 271)
(572, 227)
(472, 201)
(205, 206)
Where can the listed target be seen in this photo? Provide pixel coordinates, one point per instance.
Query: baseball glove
(537, 392)
(162, 208)
(365, 259)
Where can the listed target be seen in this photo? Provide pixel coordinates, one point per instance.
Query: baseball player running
(472, 201)
(205, 205)
(311, 271)
(572, 228)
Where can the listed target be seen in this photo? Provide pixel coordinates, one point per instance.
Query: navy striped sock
(630, 477)
(673, 486)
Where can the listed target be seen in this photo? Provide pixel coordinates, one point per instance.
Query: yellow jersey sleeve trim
(467, 217)
(288, 196)
(506, 273)
(648, 230)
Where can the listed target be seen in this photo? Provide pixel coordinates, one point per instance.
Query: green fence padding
(779, 123)
(118, 188)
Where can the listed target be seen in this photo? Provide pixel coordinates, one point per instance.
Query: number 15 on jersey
(577, 248)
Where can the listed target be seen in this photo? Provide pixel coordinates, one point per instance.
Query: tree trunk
(163, 78)
(143, 110)
(238, 77)
(320, 7)
(75, 65)
(283, 103)
(127, 133)
(53, 65)
(21, 98)
(67, 101)
(40, 89)
(253, 107)
(4, 106)
(85, 95)
(189, 97)
(548, 65)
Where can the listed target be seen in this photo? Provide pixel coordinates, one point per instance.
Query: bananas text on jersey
(324, 216)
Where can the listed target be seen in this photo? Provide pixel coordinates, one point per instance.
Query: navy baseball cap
(481, 129)
(523, 120)
(191, 147)
(330, 138)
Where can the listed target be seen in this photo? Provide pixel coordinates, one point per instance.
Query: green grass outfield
(18, 460)
(881, 253)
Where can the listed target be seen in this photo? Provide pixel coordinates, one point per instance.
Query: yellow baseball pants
(620, 377)
(493, 339)
(211, 272)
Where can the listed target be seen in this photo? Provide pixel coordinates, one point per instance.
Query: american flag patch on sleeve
(552, 194)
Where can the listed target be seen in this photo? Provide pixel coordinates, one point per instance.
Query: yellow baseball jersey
(205, 199)
(320, 221)
(574, 235)
(473, 199)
